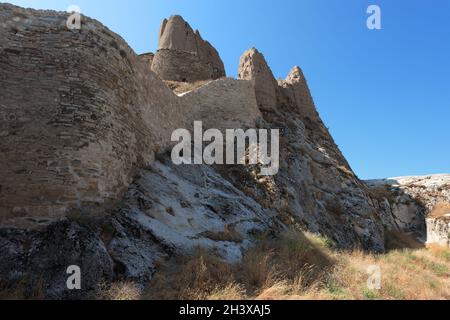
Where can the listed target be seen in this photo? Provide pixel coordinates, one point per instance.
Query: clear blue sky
(385, 95)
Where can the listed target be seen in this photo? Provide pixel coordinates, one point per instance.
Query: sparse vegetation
(120, 291)
(399, 240)
(294, 266)
(303, 266)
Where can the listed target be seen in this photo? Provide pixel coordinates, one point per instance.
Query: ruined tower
(183, 55)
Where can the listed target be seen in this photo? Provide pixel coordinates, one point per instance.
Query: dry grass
(270, 265)
(120, 291)
(440, 210)
(398, 240)
(295, 266)
(303, 266)
(198, 277)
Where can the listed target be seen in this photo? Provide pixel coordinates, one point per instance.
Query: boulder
(39, 259)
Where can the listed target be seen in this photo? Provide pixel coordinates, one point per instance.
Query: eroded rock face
(406, 202)
(183, 55)
(315, 187)
(39, 260)
(189, 206)
(80, 112)
(438, 230)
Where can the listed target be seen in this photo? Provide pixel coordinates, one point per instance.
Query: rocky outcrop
(438, 230)
(39, 259)
(186, 206)
(183, 55)
(406, 202)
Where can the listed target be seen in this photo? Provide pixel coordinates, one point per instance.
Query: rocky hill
(86, 174)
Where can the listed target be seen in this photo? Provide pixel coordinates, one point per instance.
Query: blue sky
(384, 94)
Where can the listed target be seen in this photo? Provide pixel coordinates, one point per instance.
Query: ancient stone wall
(223, 104)
(79, 113)
(88, 112)
(296, 87)
(183, 55)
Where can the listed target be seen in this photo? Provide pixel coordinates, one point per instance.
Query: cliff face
(87, 178)
(415, 204)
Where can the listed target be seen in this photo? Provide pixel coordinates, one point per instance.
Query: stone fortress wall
(82, 113)
(85, 113)
(85, 125)
(91, 112)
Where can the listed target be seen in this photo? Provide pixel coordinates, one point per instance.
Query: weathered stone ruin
(86, 177)
(86, 113)
(253, 66)
(183, 55)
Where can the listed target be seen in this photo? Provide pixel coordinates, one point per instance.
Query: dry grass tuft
(120, 291)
